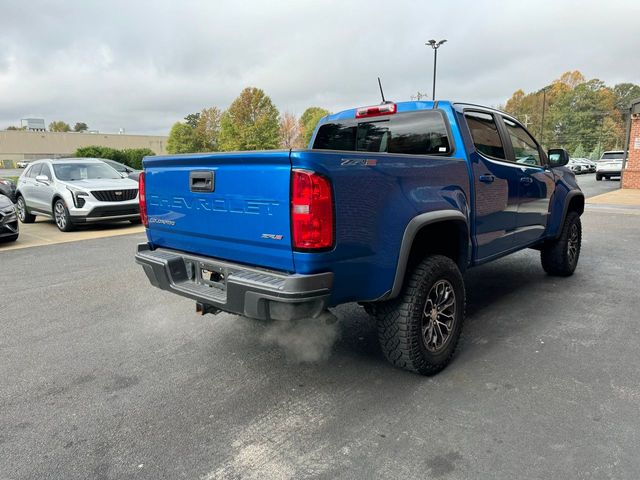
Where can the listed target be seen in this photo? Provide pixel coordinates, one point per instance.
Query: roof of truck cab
(411, 106)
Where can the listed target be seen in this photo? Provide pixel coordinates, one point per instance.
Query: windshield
(612, 156)
(68, 172)
(118, 166)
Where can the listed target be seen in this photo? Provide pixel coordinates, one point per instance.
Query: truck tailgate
(231, 206)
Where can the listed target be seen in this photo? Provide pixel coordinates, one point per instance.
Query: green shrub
(129, 156)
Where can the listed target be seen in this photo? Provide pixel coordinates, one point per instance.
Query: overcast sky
(144, 65)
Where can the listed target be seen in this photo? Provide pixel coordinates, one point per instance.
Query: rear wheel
(419, 330)
(10, 238)
(135, 221)
(560, 257)
(23, 214)
(61, 216)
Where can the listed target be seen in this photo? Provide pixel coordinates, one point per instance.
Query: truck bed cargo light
(376, 110)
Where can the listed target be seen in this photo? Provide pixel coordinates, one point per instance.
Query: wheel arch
(443, 232)
(573, 202)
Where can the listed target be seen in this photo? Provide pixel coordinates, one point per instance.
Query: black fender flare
(410, 232)
(571, 194)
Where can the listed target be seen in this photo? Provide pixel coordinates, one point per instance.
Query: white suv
(76, 190)
(609, 165)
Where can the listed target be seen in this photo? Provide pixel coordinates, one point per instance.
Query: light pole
(435, 45)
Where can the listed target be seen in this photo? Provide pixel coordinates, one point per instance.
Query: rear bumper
(243, 290)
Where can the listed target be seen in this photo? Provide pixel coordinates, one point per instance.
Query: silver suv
(76, 190)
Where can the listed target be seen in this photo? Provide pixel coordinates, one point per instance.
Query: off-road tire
(61, 216)
(23, 213)
(400, 321)
(556, 256)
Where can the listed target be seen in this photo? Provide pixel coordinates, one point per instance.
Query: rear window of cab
(410, 133)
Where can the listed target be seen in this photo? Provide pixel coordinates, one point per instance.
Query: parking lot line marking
(44, 232)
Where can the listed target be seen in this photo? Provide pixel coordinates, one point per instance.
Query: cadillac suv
(73, 191)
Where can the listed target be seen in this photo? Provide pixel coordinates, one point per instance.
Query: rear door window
(485, 135)
(414, 133)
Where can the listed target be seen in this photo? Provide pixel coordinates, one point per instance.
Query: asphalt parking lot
(103, 376)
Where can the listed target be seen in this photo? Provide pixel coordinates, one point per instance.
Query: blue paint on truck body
(377, 196)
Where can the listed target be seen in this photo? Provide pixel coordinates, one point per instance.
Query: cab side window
(34, 171)
(525, 148)
(485, 135)
(46, 171)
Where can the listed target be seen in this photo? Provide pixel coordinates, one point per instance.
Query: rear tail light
(142, 198)
(376, 110)
(311, 211)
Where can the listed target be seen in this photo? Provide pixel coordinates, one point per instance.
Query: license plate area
(212, 276)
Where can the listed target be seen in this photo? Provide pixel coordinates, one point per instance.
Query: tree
(625, 93)
(579, 152)
(192, 119)
(129, 156)
(80, 127)
(309, 121)
(59, 126)
(182, 139)
(290, 131)
(578, 112)
(251, 123)
(12, 127)
(207, 129)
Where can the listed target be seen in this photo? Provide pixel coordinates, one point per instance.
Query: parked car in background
(124, 170)
(576, 167)
(23, 163)
(9, 229)
(588, 166)
(610, 164)
(8, 188)
(73, 191)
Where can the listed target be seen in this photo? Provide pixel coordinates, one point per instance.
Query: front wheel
(598, 177)
(419, 330)
(23, 214)
(560, 256)
(62, 217)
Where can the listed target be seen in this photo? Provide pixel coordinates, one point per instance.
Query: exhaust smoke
(305, 340)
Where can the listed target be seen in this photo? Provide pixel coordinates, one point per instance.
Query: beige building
(18, 145)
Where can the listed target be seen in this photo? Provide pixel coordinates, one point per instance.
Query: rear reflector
(376, 110)
(142, 198)
(311, 211)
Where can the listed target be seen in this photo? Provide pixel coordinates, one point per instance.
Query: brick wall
(631, 175)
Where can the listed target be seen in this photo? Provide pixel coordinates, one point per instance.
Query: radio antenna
(381, 92)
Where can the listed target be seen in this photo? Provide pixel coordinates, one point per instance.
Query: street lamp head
(431, 42)
(441, 42)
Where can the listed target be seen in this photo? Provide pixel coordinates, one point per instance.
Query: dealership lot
(103, 376)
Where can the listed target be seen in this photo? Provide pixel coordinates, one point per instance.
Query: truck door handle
(526, 180)
(487, 178)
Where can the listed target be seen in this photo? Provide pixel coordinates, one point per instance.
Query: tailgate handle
(202, 181)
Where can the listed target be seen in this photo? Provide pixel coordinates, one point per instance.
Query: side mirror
(42, 179)
(124, 174)
(558, 157)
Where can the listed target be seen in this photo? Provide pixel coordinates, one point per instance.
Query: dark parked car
(8, 188)
(123, 169)
(9, 229)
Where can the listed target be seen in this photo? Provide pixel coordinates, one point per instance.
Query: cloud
(144, 65)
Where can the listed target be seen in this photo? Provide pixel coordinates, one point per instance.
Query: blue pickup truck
(388, 207)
